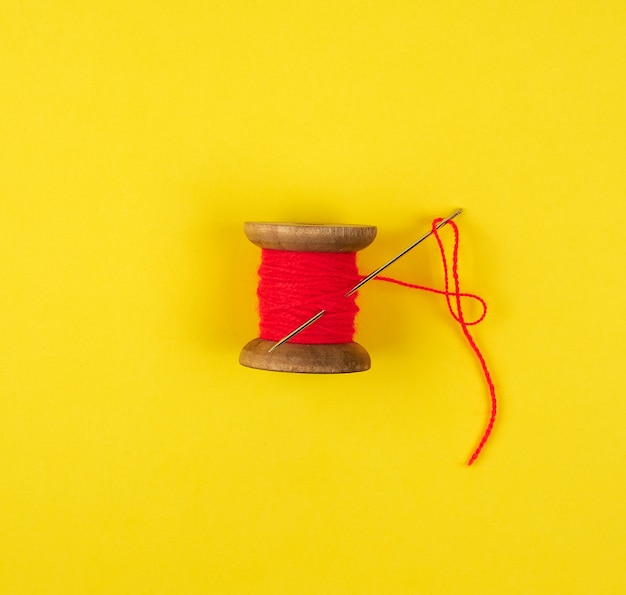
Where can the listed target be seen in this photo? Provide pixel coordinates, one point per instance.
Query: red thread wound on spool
(293, 286)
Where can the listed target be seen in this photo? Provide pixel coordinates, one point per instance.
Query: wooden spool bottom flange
(307, 359)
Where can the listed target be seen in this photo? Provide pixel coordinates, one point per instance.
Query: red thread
(459, 316)
(472, 296)
(294, 286)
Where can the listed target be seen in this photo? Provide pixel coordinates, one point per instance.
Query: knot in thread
(293, 286)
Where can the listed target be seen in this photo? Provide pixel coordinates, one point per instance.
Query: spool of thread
(305, 268)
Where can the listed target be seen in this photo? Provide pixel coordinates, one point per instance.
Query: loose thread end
(460, 318)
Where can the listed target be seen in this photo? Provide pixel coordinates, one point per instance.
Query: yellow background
(137, 456)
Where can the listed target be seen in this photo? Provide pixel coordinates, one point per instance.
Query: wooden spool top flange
(303, 237)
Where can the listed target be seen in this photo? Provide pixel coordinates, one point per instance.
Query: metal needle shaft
(365, 280)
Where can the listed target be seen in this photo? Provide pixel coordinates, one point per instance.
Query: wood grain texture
(307, 359)
(302, 237)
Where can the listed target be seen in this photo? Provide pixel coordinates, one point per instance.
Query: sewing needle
(365, 280)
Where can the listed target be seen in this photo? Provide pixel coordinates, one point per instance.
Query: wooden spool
(295, 357)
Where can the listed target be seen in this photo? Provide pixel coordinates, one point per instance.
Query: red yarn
(294, 286)
(472, 296)
(460, 318)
